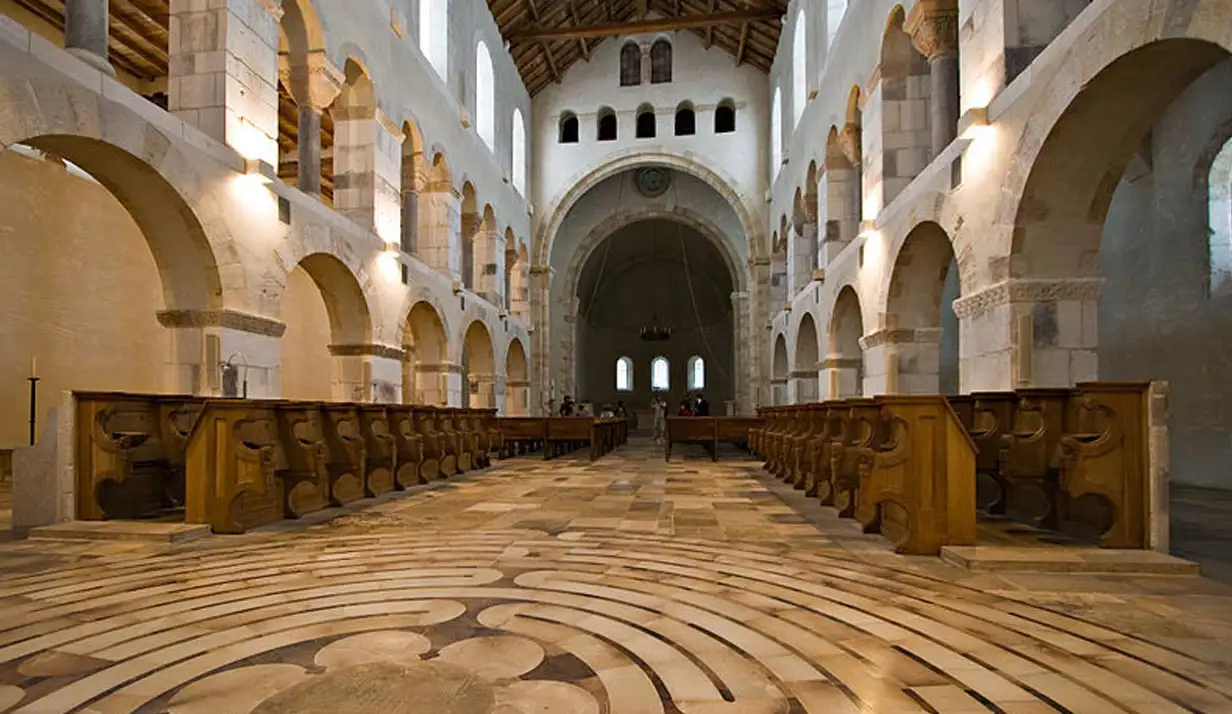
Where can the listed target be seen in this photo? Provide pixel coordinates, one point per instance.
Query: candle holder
(33, 406)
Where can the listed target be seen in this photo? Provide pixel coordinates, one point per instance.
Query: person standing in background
(659, 408)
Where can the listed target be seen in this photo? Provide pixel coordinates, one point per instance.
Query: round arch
(425, 350)
(478, 366)
(628, 159)
(517, 380)
(311, 345)
(780, 368)
(844, 361)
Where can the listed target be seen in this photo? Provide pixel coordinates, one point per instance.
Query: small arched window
(485, 96)
(630, 65)
(645, 122)
(697, 372)
(568, 128)
(776, 134)
(1219, 227)
(517, 146)
(624, 374)
(607, 125)
(686, 120)
(799, 70)
(659, 380)
(661, 62)
(725, 117)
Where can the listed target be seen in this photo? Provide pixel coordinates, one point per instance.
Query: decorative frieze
(900, 336)
(225, 319)
(1027, 291)
(933, 27)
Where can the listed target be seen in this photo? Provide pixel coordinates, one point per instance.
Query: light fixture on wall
(654, 332)
(262, 171)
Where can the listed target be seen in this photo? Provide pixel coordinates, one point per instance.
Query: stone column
(800, 256)
(517, 398)
(202, 341)
(758, 308)
(314, 83)
(368, 170)
(519, 291)
(540, 284)
(933, 26)
(414, 180)
(802, 386)
(438, 384)
(742, 333)
(440, 229)
(367, 373)
(86, 33)
(223, 72)
(902, 361)
(1029, 333)
(841, 377)
(489, 262)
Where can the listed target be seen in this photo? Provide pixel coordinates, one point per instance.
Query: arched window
(661, 62)
(624, 374)
(659, 380)
(434, 34)
(725, 117)
(686, 120)
(697, 373)
(799, 70)
(835, 9)
(1219, 205)
(607, 124)
(645, 122)
(568, 128)
(518, 146)
(776, 134)
(630, 65)
(485, 96)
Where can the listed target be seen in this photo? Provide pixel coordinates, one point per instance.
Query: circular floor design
(519, 621)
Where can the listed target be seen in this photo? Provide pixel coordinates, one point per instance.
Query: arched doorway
(328, 326)
(517, 381)
(654, 272)
(779, 371)
(425, 368)
(479, 388)
(106, 274)
(802, 386)
(917, 351)
(844, 364)
(1112, 237)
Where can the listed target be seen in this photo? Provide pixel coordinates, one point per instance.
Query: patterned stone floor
(627, 586)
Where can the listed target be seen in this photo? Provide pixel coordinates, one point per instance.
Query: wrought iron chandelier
(654, 332)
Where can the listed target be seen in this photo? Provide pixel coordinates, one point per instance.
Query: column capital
(225, 319)
(315, 82)
(849, 142)
(933, 27)
(368, 350)
(892, 336)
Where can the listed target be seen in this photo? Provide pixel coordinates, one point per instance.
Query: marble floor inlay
(626, 586)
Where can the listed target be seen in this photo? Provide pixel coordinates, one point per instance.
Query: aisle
(629, 586)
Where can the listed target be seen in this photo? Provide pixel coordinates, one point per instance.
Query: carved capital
(370, 350)
(315, 82)
(933, 27)
(889, 336)
(849, 143)
(1027, 291)
(226, 319)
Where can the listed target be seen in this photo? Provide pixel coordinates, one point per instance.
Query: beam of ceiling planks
(547, 36)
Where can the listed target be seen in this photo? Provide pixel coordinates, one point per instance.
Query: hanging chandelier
(654, 332)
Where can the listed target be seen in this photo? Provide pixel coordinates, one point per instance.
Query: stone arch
(909, 342)
(779, 371)
(519, 285)
(330, 365)
(802, 387)
(628, 159)
(802, 249)
(646, 122)
(841, 197)
(414, 184)
(1218, 180)
(489, 259)
(425, 364)
(904, 145)
(517, 380)
(471, 224)
(300, 29)
(479, 388)
(843, 365)
(183, 253)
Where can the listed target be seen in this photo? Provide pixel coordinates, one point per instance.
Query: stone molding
(888, 336)
(840, 363)
(439, 368)
(849, 143)
(225, 319)
(321, 77)
(1027, 291)
(933, 28)
(802, 374)
(369, 350)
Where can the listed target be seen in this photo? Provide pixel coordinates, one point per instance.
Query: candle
(33, 367)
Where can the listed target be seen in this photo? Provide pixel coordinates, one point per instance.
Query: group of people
(569, 407)
(696, 406)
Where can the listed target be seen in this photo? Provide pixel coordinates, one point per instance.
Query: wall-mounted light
(260, 170)
(972, 123)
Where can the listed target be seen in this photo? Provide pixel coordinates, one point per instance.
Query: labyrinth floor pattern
(628, 586)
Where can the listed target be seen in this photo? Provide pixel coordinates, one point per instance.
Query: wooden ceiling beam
(710, 28)
(543, 46)
(642, 26)
(583, 43)
(744, 39)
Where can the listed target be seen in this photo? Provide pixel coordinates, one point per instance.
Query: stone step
(121, 531)
(1066, 559)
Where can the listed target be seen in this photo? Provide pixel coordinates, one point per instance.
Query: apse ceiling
(547, 36)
